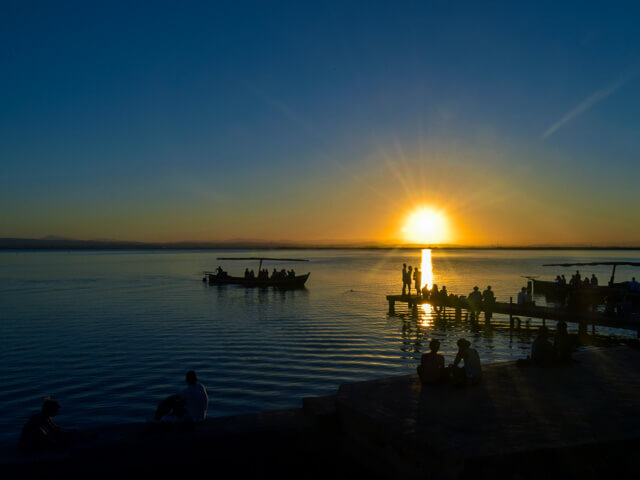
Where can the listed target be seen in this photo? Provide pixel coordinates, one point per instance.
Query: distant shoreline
(7, 244)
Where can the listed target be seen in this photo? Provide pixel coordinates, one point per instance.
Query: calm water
(109, 334)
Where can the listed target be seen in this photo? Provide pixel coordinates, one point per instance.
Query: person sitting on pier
(561, 343)
(425, 293)
(41, 433)
(444, 297)
(541, 349)
(471, 373)
(431, 368)
(594, 280)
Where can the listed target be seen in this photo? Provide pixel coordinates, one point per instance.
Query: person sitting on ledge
(41, 433)
(561, 343)
(541, 349)
(471, 373)
(195, 399)
(431, 368)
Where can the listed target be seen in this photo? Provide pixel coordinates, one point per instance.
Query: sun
(426, 225)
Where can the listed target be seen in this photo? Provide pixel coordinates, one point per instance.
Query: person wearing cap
(41, 433)
(431, 368)
(471, 373)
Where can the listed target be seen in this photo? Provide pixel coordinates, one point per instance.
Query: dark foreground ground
(578, 421)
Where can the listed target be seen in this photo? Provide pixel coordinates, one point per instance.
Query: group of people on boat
(264, 274)
(577, 280)
(185, 410)
(432, 371)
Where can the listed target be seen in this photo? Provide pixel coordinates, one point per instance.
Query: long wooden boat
(285, 284)
(221, 277)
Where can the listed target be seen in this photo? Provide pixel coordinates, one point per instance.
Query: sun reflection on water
(427, 270)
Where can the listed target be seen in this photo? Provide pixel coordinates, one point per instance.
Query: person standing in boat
(594, 280)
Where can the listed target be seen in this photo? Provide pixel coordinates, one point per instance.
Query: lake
(111, 333)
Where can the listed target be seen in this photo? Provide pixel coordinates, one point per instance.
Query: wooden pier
(515, 312)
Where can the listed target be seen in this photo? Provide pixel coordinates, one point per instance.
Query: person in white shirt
(195, 398)
(471, 373)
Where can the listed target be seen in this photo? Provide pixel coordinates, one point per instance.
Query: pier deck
(515, 413)
(631, 322)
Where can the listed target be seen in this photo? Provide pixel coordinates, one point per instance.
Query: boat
(286, 283)
(594, 293)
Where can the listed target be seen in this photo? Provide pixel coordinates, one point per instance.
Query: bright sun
(425, 226)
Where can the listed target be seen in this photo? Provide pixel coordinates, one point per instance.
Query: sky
(320, 121)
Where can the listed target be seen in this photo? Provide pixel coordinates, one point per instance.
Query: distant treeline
(72, 244)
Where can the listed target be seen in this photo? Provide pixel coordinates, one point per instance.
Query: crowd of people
(264, 274)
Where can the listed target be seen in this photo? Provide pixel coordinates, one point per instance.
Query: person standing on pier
(408, 280)
(475, 302)
(404, 279)
(488, 301)
(417, 278)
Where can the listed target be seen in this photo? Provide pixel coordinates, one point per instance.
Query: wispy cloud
(585, 105)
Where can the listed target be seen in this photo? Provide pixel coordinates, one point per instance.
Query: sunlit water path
(109, 334)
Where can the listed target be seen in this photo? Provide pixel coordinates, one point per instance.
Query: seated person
(562, 343)
(541, 349)
(196, 400)
(431, 368)
(41, 433)
(471, 374)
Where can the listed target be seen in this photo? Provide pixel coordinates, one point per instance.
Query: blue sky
(285, 120)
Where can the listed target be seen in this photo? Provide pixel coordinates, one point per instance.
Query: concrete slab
(596, 400)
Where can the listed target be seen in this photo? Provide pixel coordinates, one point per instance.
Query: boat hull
(285, 284)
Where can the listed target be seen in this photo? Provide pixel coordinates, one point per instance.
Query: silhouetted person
(594, 280)
(431, 368)
(274, 274)
(404, 279)
(409, 277)
(475, 301)
(561, 343)
(471, 373)
(577, 277)
(444, 296)
(196, 400)
(488, 298)
(541, 349)
(523, 298)
(417, 279)
(246, 273)
(586, 282)
(634, 286)
(564, 280)
(41, 433)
